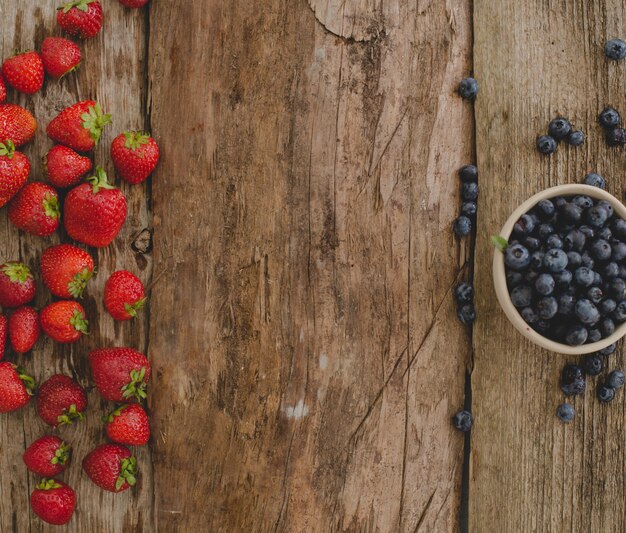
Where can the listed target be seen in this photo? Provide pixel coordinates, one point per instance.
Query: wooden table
(302, 329)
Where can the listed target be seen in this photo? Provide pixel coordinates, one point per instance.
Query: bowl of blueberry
(560, 269)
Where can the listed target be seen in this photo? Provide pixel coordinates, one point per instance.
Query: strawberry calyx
(132, 309)
(17, 272)
(134, 139)
(128, 472)
(95, 120)
(7, 149)
(28, 381)
(79, 322)
(62, 455)
(99, 181)
(136, 387)
(69, 71)
(79, 282)
(48, 484)
(114, 414)
(81, 5)
(69, 416)
(51, 206)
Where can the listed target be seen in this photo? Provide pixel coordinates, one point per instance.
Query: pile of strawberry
(93, 213)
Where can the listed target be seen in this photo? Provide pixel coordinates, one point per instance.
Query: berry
(554, 241)
(65, 270)
(464, 293)
(35, 209)
(469, 192)
(565, 412)
(47, 456)
(17, 286)
(16, 388)
(3, 334)
(572, 380)
(120, 374)
(14, 170)
(468, 209)
(618, 251)
(545, 230)
(586, 312)
(521, 296)
(468, 88)
(583, 276)
(583, 201)
(3, 90)
(468, 173)
(566, 304)
(79, 126)
(609, 118)
(601, 250)
(609, 210)
(559, 128)
(546, 209)
(608, 350)
(64, 321)
(60, 56)
(555, 260)
(532, 243)
(574, 259)
(547, 307)
(594, 335)
(615, 136)
(615, 49)
(576, 138)
(111, 467)
(24, 72)
(463, 421)
(16, 125)
(607, 306)
(546, 144)
(619, 315)
(571, 212)
(607, 327)
(513, 279)
(128, 425)
(544, 284)
(61, 401)
(576, 335)
(610, 270)
(592, 364)
(562, 279)
(24, 329)
(64, 167)
(605, 393)
(81, 18)
(124, 295)
(516, 257)
(524, 226)
(529, 315)
(134, 3)
(53, 501)
(595, 295)
(617, 289)
(615, 379)
(466, 314)
(135, 155)
(462, 226)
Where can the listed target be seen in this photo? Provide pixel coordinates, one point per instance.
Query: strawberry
(60, 56)
(14, 170)
(134, 3)
(81, 18)
(47, 456)
(64, 167)
(129, 425)
(94, 212)
(53, 501)
(17, 286)
(16, 387)
(64, 321)
(16, 125)
(3, 334)
(79, 126)
(123, 295)
(111, 467)
(65, 270)
(61, 401)
(24, 72)
(24, 329)
(35, 209)
(120, 374)
(3, 90)
(135, 155)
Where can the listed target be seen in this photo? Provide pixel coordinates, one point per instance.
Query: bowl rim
(499, 274)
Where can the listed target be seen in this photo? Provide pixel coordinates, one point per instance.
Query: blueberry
(609, 118)
(575, 240)
(466, 314)
(463, 420)
(468, 209)
(571, 213)
(513, 279)
(619, 228)
(545, 209)
(547, 307)
(531, 276)
(464, 293)
(576, 335)
(605, 233)
(562, 279)
(595, 180)
(555, 260)
(524, 226)
(536, 260)
(545, 230)
(595, 295)
(529, 315)
(544, 284)
(574, 260)
(542, 326)
(521, 296)
(469, 191)
(608, 350)
(615, 136)
(576, 138)
(559, 128)
(566, 304)
(605, 393)
(583, 201)
(610, 270)
(615, 379)
(462, 226)
(468, 174)
(468, 88)
(565, 412)
(586, 312)
(532, 243)
(597, 216)
(546, 144)
(587, 231)
(592, 364)
(601, 250)
(554, 241)
(593, 335)
(559, 201)
(583, 276)
(622, 272)
(617, 289)
(597, 279)
(607, 306)
(615, 49)
(586, 260)
(517, 257)
(619, 315)
(572, 380)
(619, 251)
(607, 327)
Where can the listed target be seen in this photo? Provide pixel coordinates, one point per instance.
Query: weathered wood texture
(113, 72)
(307, 357)
(535, 60)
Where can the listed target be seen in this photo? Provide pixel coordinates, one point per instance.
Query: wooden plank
(304, 339)
(535, 60)
(113, 73)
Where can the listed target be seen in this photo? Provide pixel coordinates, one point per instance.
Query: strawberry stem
(29, 382)
(134, 139)
(95, 121)
(128, 473)
(132, 309)
(79, 322)
(48, 484)
(81, 5)
(7, 149)
(100, 181)
(69, 416)
(51, 206)
(136, 387)
(79, 282)
(62, 455)
(17, 272)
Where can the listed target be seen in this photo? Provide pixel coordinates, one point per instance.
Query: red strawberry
(111, 467)
(61, 401)
(79, 126)
(64, 321)
(3, 334)
(24, 329)
(94, 212)
(53, 501)
(123, 295)
(64, 167)
(3, 90)
(47, 456)
(120, 374)
(134, 3)
(16, 387)
(35, 209)
(60, 56)
(81, 18)
(65, 270)
(17, 286)
(16, 125)
(135, 155)
(129, 425)
(24, 72)
(14, 170)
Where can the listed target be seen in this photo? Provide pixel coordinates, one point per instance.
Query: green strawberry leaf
(136, 387)
(17, 272)
(114, 414)
(128, 472)
(62, 455)
(29, 382)
(69, 416)
(132, 309)
(7, 149)
(95, 121)
(499, 242)
(48, 484)
(100, 181)
(81, 5)
(134, 139)
(51, 206)
(79, 282)
(79, 322)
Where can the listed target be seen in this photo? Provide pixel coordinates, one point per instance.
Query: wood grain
(113, 72)
(536, 60)
(307, 357)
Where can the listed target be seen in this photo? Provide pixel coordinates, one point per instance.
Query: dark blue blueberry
(583, 276)
(586, 312)
(615, 136)
(597, 279)
(559, 128)
(566, 304)
(558, 332)
(547, 307)
(572, 379)
(469, 191)
(555, 260)
(619, 315)
(615, 379)
(468, 88)
(545, 209)
(544, 284)
(595, 294)
(524, 226)
(583, 201)
(521, 296)
(601, 250)
(574, 260)
(574, 241)
(565, 412)
(545, 230)
(609, 118)
(517, 257)
(559, 201)
(619, 251)
(622, 271)
(542, 326)
(597, 216)
(610, 270)
(546, 144)
(605, 393)
(466, 314)
(592, 364)
(576, 138)
(529, 315)
(587, 231)
(586, 260)
(468, 174)
(607, 306)
(513, 279)
(607, 327)
(615, 49)
(468, 209)
(605, 233)
(554, 241)
(464, 293)
(562, 279)
(608, 206)
(595, 180)
(536, 260)
(619, 228)
(463, 420)
(608, 350)
(617, 289)
(532, 243)
(571, 213)
(531, 276)
(594, 335)
(462, 226)
(576, 335)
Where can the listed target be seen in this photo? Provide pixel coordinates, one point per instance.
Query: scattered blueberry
(462, 226)
(609, 118)
(469, 191)
(468, 174)
(572, 380)
(608, 350)
(468, 88)
(592, 364)
(468, 209)
(615, 379)
(565, 412)
(464, 293)
(576, 138)
(605, 393)
(463, 420)
(559, 128)
(546, 144)
(615, 49)
(517, 257)
(466, 314)
(615, 136)
(595, 180)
